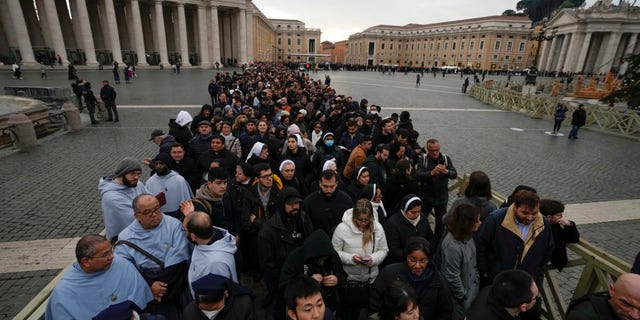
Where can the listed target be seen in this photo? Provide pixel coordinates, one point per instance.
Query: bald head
(199, 224)
(625, 296)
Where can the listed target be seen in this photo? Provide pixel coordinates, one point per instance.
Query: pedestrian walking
(73, 73)
(43, 71)
(17, 71)
(465, 85)
(108, 96)
(417, 80)
(561, 111)
(578, 119)
(116, 72)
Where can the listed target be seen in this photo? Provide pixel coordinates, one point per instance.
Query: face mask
(211, 314)
(373, 112)
(328, 143)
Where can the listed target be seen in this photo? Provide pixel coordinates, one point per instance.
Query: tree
(509, 12)
(536, 10)
(630, 89)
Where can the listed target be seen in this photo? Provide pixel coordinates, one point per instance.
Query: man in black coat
(512, 293)
(108, 96)
(279, 236)
(327, 205)
(433, 172)
(578, 119)
(219, 154)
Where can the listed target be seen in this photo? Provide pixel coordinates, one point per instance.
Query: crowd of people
(281, 180)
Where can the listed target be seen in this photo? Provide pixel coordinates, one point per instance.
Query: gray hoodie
(116, 204)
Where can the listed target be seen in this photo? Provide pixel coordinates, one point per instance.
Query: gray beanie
(127, 165)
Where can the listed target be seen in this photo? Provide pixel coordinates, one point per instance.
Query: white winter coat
(347, 241)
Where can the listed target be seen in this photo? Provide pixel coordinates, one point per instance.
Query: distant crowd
(280, 180)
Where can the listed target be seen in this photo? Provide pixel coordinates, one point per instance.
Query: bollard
(24, 134)
(72, 114)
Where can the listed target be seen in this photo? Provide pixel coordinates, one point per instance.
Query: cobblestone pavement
(51, 193)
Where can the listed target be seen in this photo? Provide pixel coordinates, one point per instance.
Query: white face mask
(373, 112)
(212, 314)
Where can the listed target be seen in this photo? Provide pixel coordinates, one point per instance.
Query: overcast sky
(340, 18)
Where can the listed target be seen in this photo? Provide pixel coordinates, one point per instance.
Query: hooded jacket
(315, 256)
(216, 258)
(117, 211)
(196, 120)
(179, 128)
(279, 236)
(347, 241)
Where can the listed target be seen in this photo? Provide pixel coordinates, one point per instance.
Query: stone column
(582, 57)
(160, 32)
(609, 54)
(574, 44)
(182, 28)
(562, 58)
(114, 37)
(22, 34)
(138, 37)
(242, 43)
(542, 58)
(7, 25)
(250, 42)
(55, 31)
(215, 35)
(202, 35)
(86, 37)
(550, 57)
(633, 38)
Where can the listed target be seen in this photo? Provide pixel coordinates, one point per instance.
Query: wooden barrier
(622, 123)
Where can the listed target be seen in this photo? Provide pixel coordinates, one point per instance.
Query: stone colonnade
(141, 32)
(588, 52)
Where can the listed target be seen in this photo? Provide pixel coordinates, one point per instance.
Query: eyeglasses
(413, 260)
(105, 255)
(149, 212)
(363, 221)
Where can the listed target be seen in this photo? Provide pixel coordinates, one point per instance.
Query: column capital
(158, 2)
(180, 4)
(213, 4)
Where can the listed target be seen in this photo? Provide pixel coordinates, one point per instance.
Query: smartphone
(365, 259)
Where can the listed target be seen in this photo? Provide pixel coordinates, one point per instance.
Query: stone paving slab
(22, 256)
(19, 288)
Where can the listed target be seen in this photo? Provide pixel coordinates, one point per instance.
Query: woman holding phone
(362, 246)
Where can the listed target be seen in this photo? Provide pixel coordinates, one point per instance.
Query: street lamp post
(540, 37)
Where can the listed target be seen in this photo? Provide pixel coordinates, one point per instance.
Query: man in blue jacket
(517, 237)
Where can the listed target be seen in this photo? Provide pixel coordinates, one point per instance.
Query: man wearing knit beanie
(118, 191)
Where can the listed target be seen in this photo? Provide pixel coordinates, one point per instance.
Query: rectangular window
(509, 46)
(521, 48)
(446, 46)
(289, 41)
(497, 46)
(462, 45)
(372, 46)
(482, 45)
(391, 46)
(495, 57)
(471, 45)
(453, 46)
(382, 46)
(298, 41)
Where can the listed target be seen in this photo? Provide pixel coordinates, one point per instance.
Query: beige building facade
(591, 40)
(490, 43)
(295, 42)
(142, 32)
